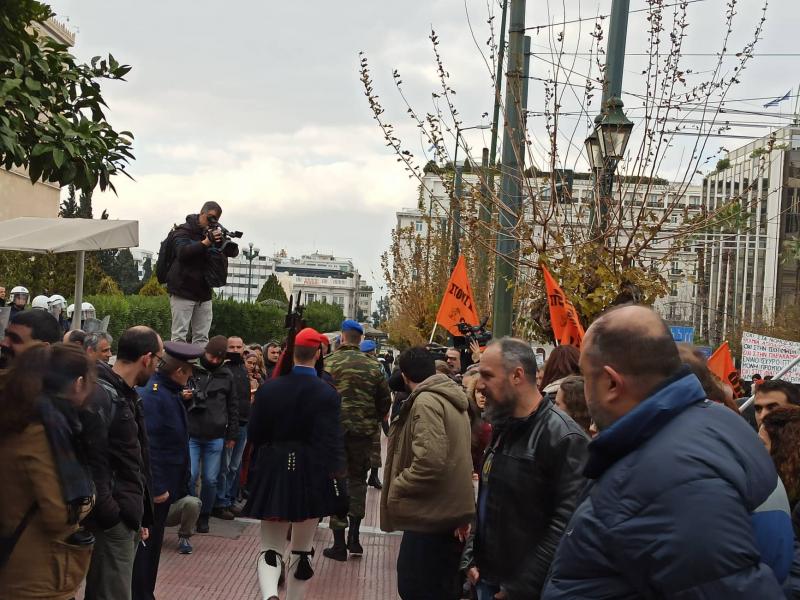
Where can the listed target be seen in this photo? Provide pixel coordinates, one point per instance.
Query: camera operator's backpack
(166, 256)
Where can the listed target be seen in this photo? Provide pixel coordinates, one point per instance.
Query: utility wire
(601, 17)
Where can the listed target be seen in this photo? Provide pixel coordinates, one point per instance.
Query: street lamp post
(606, 145)
(250, 255)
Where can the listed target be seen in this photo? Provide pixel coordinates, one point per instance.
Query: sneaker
(184, 547)
(202, 524)
(223, 513)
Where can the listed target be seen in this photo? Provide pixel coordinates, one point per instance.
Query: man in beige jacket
(428, 492)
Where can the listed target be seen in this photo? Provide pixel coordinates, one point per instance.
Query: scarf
(62, 428)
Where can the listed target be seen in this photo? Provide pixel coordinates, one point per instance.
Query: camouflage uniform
(365, 401)
(375, 461)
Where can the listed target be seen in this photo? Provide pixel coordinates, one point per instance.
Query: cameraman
(195, 251)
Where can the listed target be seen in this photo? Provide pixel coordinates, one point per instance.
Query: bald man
(677, 480)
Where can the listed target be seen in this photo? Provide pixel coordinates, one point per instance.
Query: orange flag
(458, 304)
(563, 316)
(721, 364)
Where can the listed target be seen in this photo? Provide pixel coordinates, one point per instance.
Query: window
(310, 297)
(694, 201)
(418, 226)
(338, 300)
(673, 289)
(653, 200)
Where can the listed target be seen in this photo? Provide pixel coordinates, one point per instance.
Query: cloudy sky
(258, 105)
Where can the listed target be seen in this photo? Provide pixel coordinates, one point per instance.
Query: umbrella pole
(77, 313)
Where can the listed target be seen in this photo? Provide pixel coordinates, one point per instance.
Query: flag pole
(783, 372)
(430, 341)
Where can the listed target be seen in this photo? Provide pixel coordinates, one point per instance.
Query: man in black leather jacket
(530, 482)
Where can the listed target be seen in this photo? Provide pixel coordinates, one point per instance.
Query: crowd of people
(620, 470)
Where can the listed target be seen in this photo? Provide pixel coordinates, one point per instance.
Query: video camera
(198, 401)
(468, 332)
(226, 244)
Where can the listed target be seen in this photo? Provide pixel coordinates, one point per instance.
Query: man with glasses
(118, 455)
(189, 292)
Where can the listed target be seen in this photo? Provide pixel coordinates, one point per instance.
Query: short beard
(499, 413)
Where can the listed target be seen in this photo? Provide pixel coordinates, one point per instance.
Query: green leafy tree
(153, 288)
(53, 121)
(323, 316)
(109, 287)
(125, 272)
(272, 290)
(69, 207)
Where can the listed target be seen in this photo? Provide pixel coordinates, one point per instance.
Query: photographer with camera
(192, 261)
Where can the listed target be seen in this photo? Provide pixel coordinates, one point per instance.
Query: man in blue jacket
(676, 479)
(167, 431)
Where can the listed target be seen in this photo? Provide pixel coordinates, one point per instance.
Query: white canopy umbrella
(36, 234)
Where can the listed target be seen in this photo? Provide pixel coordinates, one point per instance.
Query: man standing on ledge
(365, 402)
(189, 293)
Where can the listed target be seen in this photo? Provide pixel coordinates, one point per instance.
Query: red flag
(458, 304)
(721, 364)
(563, 316)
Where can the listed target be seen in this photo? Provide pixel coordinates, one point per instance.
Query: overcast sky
(258, 105)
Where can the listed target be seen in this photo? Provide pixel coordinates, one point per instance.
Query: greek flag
(777, 101)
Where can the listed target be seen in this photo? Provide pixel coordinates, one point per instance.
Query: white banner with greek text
(767, 356)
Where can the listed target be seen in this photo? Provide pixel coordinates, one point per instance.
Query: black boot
(202, 524)
(353, 543)
(339, 550)
(373, 479)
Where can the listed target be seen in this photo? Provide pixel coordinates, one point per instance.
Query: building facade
(317, 277)
(140, 258)
(745, 278)
(18, 198)
(677, 265)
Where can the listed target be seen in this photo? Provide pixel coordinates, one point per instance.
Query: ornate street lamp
(613, 131)
(250, 255)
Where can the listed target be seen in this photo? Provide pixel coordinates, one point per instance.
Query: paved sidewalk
(223, 564)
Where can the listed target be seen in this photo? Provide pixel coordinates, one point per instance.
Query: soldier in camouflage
(365, 401)
(369, 348)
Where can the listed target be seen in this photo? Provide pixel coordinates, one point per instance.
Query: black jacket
(187, 275)
(116, 443)
(214, 412)
(241, 380)
(297, 436)
(531, 480)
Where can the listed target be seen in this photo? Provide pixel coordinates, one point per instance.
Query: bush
(253, 322)
(153, 288)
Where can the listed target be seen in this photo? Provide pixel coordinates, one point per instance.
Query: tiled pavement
(223, 564)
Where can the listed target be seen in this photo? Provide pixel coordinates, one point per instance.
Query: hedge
(253, 322)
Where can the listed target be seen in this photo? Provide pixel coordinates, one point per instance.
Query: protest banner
(567, 327)
(768, 356)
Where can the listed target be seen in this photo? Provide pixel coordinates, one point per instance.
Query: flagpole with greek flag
(777, 101)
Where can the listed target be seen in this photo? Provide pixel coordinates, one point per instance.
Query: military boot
(339, 549)
(374, 480)
(353, 543)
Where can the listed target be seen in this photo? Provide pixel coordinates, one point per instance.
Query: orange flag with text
(563, 316)
(458, 304)
(721, 364)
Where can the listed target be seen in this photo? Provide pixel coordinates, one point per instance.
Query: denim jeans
(228, 484)
(209, 453)
(427, 566)
(486, 591)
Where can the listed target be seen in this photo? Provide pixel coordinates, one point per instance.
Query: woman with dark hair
(571, 399)
(780, 431)
(46, 489)
(562, 362)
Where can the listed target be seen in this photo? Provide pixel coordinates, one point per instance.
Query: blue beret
(183, 351)
(367, 346)
(351, 325)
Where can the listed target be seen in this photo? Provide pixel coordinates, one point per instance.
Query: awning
(36, 234)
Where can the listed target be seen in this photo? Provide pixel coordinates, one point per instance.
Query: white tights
(273, 538)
